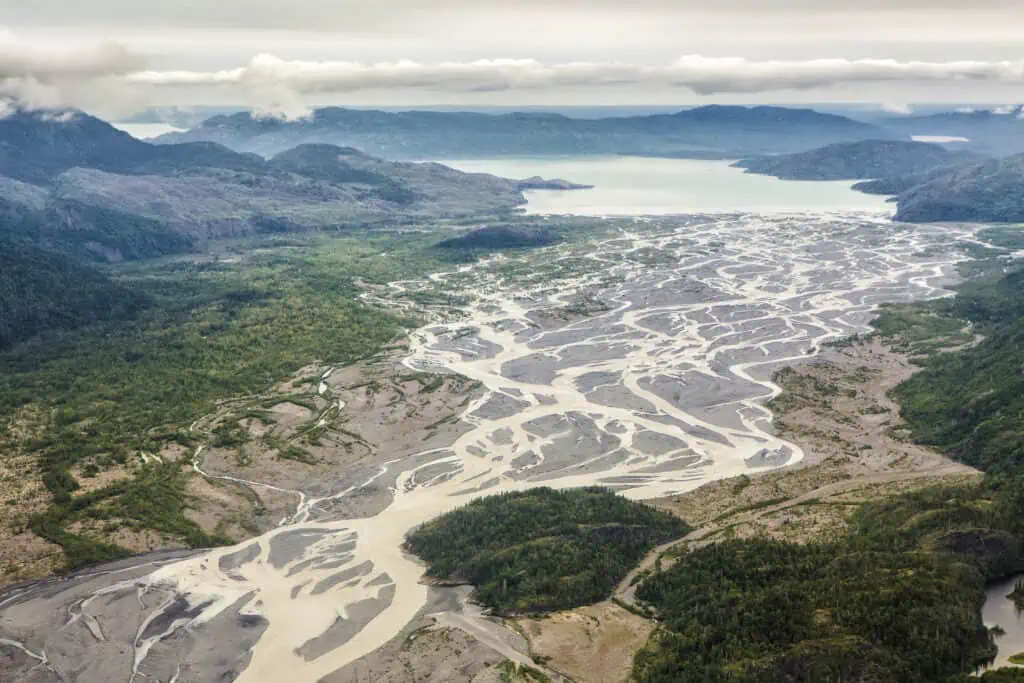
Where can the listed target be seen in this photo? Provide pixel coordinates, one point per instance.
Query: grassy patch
(297, 454)
(510, 672)
(921, 328)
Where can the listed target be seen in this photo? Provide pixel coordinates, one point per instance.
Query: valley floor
(639, 359)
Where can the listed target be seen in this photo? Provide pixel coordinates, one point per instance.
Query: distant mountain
(36, 147)
(538, 183)
(993, 132)
(178, 117)
(988, 192)
(42, 291)
(711, 130)
(896, 185)
(867, 159)
(73, 183)
(931, 183)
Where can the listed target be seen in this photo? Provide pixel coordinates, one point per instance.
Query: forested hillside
(898, 600)
(75, 184)
(971, 403)
(989, 192)
(931, 183)
(42, 291)
(866, 159)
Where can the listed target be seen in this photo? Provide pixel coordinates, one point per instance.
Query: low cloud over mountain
(112, 78)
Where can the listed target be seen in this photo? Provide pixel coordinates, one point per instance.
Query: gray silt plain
(661, 390)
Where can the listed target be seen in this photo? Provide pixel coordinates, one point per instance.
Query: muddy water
(1001, 611)
(639, 360)
(658, 390)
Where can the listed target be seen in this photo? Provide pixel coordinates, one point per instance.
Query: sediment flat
(659, 389)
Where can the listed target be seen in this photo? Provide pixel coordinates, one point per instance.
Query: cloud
(704, 75)
(364, 15)
(274, 84)
(897, 108)
(46, 62)
(1008, 109)
(57, 75)
(106, 77)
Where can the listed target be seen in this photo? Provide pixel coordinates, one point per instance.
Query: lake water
(939, 138)
(144, 131)
(1001, 611)
(643, 185)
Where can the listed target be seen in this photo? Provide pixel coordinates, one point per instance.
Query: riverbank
(858, 448)
(836, 408)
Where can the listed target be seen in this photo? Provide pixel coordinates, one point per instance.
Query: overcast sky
(125, 54)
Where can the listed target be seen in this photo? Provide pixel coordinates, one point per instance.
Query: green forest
(542, 549)
(898, 599)
(150, 347)
(971, 403)
(42, 291)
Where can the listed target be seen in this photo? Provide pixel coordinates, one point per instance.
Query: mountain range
(723, 131)
(788, 143)
(993, 132)
(73, 183)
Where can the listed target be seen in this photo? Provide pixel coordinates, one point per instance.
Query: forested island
(542, 549)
